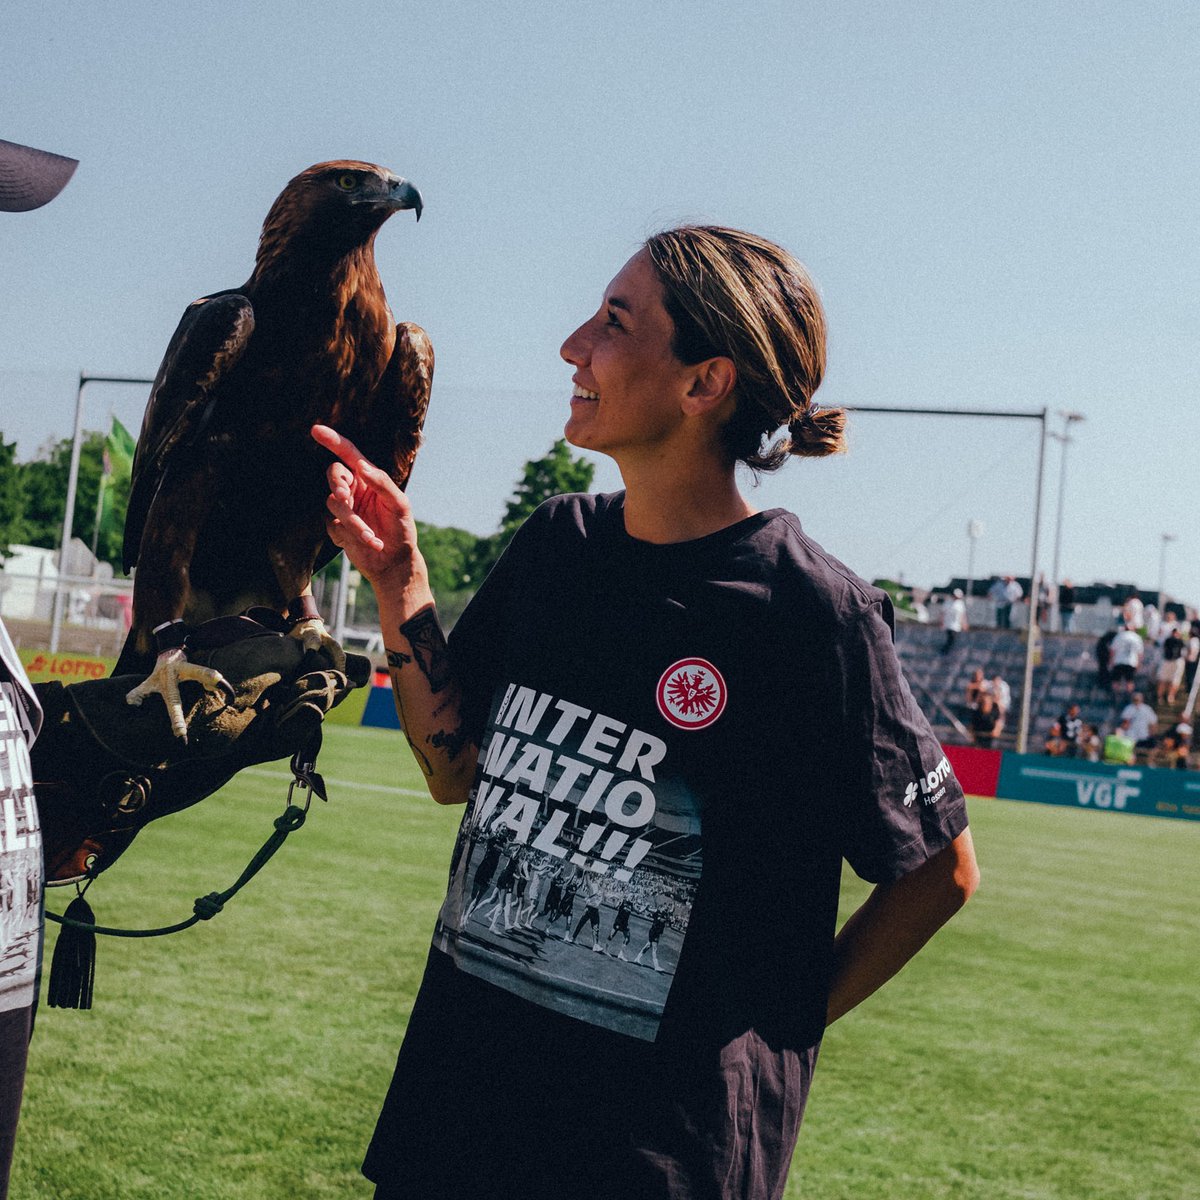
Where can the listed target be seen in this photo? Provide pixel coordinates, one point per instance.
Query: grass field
(1047, 1044)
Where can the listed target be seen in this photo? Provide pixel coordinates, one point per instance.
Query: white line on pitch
(346, 783)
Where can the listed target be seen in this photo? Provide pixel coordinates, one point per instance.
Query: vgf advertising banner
(1151, 791)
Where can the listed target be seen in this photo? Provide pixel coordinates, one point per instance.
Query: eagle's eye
(347, 182)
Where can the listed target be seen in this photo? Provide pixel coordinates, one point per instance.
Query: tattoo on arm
(397, 659)
(420, 755)
(452, 742)
(424, 633)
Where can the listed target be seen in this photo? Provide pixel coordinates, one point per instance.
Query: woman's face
(628, 382)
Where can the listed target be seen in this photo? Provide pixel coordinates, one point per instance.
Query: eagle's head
(332, 209)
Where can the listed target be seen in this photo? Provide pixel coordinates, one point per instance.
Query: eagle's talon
(314, 636)
(169, 671)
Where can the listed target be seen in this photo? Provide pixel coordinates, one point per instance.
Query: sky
(998, 203)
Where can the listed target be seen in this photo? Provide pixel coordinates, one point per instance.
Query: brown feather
(230, 486)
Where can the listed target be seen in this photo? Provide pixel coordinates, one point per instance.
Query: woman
(707, 698)
(986, 721)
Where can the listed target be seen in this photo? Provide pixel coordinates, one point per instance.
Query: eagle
(227, 500)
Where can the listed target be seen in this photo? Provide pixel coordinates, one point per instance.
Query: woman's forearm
(896, 920)
(371, 519)
(427, 693)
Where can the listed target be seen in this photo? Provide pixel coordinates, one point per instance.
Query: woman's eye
(347, 183)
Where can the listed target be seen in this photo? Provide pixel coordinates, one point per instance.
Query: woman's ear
(713, 385)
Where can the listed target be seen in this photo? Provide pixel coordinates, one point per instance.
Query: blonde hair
(739, 296)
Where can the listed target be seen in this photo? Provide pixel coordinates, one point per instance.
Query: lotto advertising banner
(1150, 791)
(41, 667)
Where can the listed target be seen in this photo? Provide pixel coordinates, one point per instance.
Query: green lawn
(1046, 1045)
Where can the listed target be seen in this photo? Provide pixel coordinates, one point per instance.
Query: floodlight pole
(1038, 414)
(1032, 634)
(974, 533)
(1069, 418)
(1167, 538)
(72, 486)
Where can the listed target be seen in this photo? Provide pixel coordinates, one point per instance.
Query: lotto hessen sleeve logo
(691, 693)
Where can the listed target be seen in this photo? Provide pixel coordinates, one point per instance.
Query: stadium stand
(1066, 673)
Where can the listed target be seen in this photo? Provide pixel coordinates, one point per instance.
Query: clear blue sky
(998, 202)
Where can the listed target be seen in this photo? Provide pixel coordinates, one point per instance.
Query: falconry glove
(103, 770)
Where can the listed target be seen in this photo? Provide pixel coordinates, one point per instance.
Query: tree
(44, 495)
(447, 552)
(43, 498)
(12, 502)
(554, 475)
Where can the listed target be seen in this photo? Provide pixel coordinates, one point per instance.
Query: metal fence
(95, 610)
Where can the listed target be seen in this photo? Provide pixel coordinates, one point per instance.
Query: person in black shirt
(1070, 726)
(621, 925)
(711, 709)
(1170, 670)
(985, 720)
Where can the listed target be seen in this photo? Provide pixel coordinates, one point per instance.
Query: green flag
(120, 445)
(114, 486)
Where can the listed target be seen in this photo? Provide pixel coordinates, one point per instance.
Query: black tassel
(73, 968)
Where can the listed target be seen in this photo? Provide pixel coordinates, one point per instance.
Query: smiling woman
(708, 340)
(682, 712)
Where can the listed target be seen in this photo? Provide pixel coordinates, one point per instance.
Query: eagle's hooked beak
(402, 195)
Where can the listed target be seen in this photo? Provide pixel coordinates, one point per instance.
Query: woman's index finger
(360, 465)
(337, 444)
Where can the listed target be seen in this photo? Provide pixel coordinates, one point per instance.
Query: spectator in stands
(954, 619)
(1124, 657)
(1139, 721)
(1153, 623)
(1066, 605)
(976, 685)
(1167, 626)
(1177, 744)
(985, 721)
(1001, 697)
(1055, 744)
(1133, 612)
(1071, 727)
(1191, 655)
(1170, 669)
(1118, 748)
(1005, 593)
(1091, 744)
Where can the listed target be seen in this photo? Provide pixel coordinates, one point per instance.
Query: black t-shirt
(707, 728)
(1173, 647)
(1071, 726)
(984, 723)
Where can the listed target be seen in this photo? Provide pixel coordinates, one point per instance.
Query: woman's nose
(573, 350)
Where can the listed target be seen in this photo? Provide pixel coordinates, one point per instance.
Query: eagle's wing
(409, 378)
(209, 340)
(391, 433)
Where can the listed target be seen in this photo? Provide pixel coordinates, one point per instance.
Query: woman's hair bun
(818, 431)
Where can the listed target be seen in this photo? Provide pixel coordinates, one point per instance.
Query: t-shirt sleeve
(901, 803)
